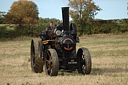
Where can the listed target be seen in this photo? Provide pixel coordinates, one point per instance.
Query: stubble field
(109, 63)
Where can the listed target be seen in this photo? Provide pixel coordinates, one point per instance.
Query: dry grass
(109, 63)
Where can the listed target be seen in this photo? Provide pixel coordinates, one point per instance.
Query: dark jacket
(49, 28)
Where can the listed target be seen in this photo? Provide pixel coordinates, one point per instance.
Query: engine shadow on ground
(102, 71)
(95, 71)
(64, 73)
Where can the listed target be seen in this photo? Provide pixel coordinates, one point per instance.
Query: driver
(50, 28)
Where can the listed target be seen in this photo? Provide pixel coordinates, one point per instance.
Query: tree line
(22, 19)
(14, 30)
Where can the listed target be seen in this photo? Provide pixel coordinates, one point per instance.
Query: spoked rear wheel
(36, 61)
(40, 49)
(84, 61)
(51, 62)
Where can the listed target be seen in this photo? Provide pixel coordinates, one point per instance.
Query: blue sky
(111, 9)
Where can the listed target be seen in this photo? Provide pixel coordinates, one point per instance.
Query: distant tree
(1, 17)
(22, 12)
(82, 12)
(1, 14)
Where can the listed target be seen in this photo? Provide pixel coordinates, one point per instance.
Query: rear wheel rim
(33, 61)
(40, 50)
(84, 61)
(32, 57)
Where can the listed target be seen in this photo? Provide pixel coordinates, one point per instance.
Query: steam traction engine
(59, 51)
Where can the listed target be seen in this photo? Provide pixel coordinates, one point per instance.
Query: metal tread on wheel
(36, 61)
(52, 62)
(84, 61)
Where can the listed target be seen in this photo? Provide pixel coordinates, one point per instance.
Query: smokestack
(65, 14)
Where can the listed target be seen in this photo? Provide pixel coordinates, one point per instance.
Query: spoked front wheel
(84, 61)
(51, 62)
